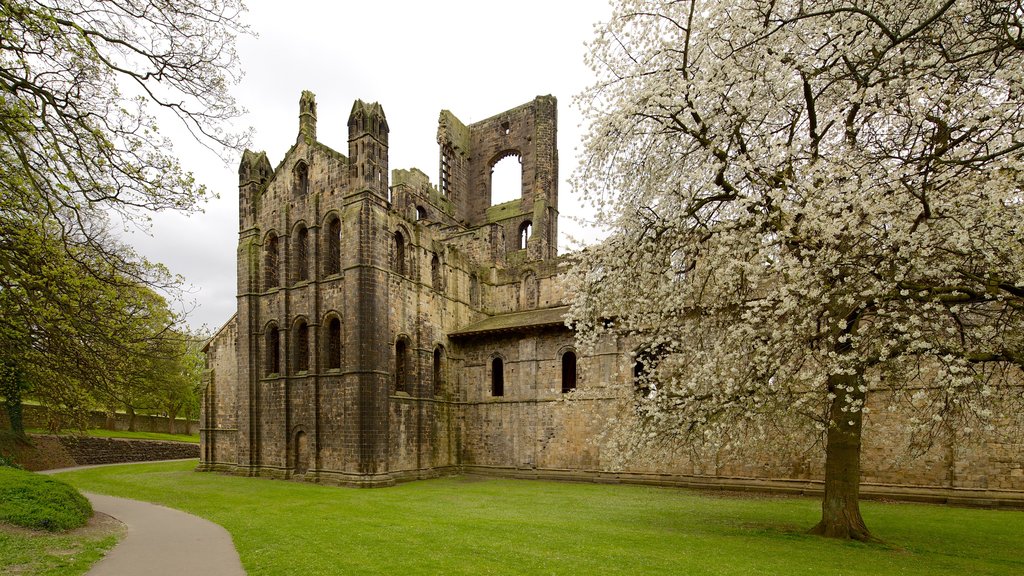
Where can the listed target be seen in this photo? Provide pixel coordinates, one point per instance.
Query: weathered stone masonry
(390, 329)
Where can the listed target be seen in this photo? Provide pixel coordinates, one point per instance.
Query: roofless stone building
(389, 329)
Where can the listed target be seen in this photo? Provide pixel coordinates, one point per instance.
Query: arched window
(439, 369)
(474, 290)
(497, 377)
(271, 257)
(398, 265)
(506, 179)
(302, 254)
(421, 213)
(646, 361)
(332, 260)
(525, 231)
(301, 452)
(435, 273)
(301, 346)
(272, 351)
(401, 365)
(333, 351)
(568, 371)
(301, 180)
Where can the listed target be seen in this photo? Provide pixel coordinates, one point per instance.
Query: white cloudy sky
(475, 58)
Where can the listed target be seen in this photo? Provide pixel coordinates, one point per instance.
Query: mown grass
(489, 526)
(101, 433)
(47, 554)
(36, 513)
(39, 502)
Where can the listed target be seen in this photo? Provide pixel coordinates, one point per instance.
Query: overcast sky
(475, 58)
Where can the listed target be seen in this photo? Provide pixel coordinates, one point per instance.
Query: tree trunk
(172, 415)
(10, 387)
(131, 418)
(14, 416)
(840, 508)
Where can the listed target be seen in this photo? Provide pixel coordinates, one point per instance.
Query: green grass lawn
(488, 526)
(101, 433)
(41, 530)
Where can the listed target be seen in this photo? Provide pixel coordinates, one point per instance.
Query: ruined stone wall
(219, 411)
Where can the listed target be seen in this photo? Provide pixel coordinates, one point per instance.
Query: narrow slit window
(497, 377)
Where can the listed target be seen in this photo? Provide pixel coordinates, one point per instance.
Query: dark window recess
(401, 368)
(271, 263)
(302, 254)
(333, 247)
(302, 347)
(399, 263)
(438, 370)
(435, 273)
(568, 372)
(273, 351)
(334, 343)
(497, 377)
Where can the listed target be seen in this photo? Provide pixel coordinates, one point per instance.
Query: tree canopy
(809, 202)
(82, 86)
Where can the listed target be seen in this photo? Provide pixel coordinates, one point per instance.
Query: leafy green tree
(810, 203)
(81, 86)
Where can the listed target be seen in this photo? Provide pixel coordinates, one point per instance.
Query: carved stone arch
(403, 364)
(496, 371)
(272, 349)
(271, 260)
(498, 195)
(331, 243)
(333, 341)
(402, 261)
(300, 251)
(568, 360)
(300, 178)
(439, 371)
(300, 335)
(529, 290)
(300, 452)
(437, 275)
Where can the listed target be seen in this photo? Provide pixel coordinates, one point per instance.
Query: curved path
(162, 541)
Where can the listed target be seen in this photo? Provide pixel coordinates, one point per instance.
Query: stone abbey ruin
(390, 329)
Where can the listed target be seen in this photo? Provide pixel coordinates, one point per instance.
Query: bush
(40, 502)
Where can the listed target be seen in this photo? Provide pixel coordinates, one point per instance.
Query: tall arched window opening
(401, 365)
(272, 349)
(333, 344)
(301, 181)
(438, 372)
(333, 256)
(399, 263)
(497, 377)
(302, 254)
(301, 452)
(474, 290)
(301, 347)
(271, 278)
(506, 180)
(525, 231)
(435, 272)
(568, 371)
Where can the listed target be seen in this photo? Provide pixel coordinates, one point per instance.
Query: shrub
(40, 502)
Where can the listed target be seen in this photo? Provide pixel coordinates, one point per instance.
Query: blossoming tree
(809, 202)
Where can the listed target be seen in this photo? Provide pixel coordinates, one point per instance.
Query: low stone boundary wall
(37, 417)
(89, 450)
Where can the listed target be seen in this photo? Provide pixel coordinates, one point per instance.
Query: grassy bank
(101, 433)
(475, 526)
(43, 527)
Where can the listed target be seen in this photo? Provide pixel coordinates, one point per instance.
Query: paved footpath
(162, 541)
